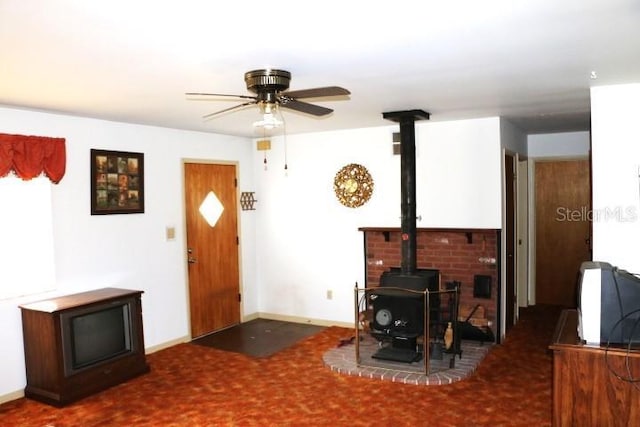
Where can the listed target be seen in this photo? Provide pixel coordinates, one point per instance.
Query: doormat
(259, 337)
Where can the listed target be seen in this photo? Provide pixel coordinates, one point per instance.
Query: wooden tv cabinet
(585, 390)
(42, 323)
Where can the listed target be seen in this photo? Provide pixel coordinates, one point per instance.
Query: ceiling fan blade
(206, 96)
(304, 107)
(318, 92)
(226, 110)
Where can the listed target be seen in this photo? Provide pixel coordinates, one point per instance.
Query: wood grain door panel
(214, 284)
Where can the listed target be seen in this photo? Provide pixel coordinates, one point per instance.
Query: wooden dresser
(586, 390)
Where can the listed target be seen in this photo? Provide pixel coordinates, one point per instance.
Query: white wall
(559, 145)
(308, 243)
(127, 251)
(616, 174)
(459, 185)
(512, 138)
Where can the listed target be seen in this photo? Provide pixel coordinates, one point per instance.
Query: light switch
(171, 233)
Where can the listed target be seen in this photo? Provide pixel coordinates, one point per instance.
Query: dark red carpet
(193, 385)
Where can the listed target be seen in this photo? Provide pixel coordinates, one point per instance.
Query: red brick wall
(458, 254)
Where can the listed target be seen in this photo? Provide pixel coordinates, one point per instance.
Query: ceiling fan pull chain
(264, 138)
(284, 136)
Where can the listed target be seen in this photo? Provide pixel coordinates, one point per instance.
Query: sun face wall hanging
(353, 185)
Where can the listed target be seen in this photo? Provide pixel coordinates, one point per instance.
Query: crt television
(608, 305)
(97, 334)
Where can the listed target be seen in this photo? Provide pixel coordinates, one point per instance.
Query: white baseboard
(250, 317)
(11, 396)
(167, 344)
(296, 319)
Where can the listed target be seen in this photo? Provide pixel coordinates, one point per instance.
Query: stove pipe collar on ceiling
(407, 120)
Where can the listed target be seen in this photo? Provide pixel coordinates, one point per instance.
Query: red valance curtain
(29, 156)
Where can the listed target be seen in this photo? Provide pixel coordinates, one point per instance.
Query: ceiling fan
(270, 87)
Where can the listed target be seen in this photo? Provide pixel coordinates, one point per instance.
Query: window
(26, 237)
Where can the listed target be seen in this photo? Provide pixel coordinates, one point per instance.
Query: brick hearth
(343, 360)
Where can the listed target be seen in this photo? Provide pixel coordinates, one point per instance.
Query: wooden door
(563, 203)
(212, 251)
(510, 239)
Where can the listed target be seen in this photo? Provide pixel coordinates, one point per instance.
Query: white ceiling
(132, 61)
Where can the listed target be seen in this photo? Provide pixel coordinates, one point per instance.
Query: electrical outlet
(329, 294)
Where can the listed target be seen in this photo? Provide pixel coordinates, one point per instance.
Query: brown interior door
(212, 251)
(563, 203)
(510, 239)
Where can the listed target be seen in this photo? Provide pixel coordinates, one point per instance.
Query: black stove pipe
(407, 120)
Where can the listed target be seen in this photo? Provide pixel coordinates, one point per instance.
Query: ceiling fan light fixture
(269, 121)
(271, 94)
(269, 118)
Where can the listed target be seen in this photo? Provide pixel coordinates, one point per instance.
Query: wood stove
(399, 304)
